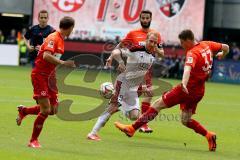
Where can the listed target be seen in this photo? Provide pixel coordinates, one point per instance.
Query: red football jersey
(200, 58)
(54, 43)
(137, 38)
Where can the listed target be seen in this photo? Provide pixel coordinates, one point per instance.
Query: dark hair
(66, 22)
(146, 12)
(186, 34)
(42, 11)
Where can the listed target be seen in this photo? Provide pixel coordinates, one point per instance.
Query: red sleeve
(214, 46)
(128, 40)
(191, 59)
(50, 45)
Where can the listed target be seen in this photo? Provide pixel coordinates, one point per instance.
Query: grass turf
(218, 111)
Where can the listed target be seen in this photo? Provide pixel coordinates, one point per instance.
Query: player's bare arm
(116, 54)
(52, 59)
(224, 52)
(29, 47)
(185, 78)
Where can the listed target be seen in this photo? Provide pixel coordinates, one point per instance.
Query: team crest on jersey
(50, 44)
(170, 8)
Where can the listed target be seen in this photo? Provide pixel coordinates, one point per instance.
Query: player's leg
(39, 121)
(146, 103)
(134, 114)
(23, 111)
(112, 108)
(148, 116)
(102, 120)
(186, 118)
(168, 100)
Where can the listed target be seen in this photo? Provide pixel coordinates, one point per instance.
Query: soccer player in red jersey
(197, 67)
(44, 80)
(134, 39)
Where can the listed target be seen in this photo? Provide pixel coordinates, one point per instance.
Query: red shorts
(177, 96)
(44, 86)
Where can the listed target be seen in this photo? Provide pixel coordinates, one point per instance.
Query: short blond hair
(154, 33)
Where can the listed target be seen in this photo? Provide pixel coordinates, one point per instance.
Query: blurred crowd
(173, 63)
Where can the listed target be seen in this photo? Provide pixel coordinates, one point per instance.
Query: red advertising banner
(110, 18)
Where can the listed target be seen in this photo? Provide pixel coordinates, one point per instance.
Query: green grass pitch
(219, 111)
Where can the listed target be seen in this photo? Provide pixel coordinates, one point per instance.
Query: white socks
(102, 120)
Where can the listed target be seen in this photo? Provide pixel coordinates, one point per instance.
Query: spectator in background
(22, 48)
(12, 38)
(1, 37)
(235, 52)
(36, 35)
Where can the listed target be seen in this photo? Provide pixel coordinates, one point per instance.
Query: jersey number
(208, 60)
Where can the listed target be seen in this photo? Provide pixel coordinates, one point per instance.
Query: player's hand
(69, 63)
(109, 62)
(220, 55)
(121, 67)
(184, 88)
(37, 48)
(30, 48)
(147, 91)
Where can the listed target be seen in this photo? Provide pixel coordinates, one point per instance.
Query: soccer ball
(106, 90)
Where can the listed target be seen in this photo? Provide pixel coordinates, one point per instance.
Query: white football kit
(127, 83)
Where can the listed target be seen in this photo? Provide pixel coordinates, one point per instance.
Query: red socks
(145, 106)
(145, 118)
(197, 127)
(38, 124)
(31, 110)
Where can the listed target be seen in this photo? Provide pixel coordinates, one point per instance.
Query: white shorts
(127, 97)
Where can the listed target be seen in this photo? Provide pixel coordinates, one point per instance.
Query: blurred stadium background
(100, 25)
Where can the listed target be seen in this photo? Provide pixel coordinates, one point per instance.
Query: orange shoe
(127, 129)
(145, 129)
(34, 144)
(93, 137)
(211, 137)
(20, 115)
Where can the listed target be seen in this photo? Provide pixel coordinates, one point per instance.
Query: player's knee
(45, 111)
(134, 114)
(133, 117)
(184, 120)
(147, 99)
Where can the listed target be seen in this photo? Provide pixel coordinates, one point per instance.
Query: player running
(125, 98)
(44, 80)
(137, 38)
(197, 67)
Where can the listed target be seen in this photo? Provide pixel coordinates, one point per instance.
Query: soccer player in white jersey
(125, 98)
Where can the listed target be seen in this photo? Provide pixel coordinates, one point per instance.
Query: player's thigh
(174, 96)
(40, 87)
(130, 105)
(44, 104)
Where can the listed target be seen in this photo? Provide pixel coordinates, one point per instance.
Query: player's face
(151, 42)
(43, 19)
(69, 31)
(145, 20)
(186, 44)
